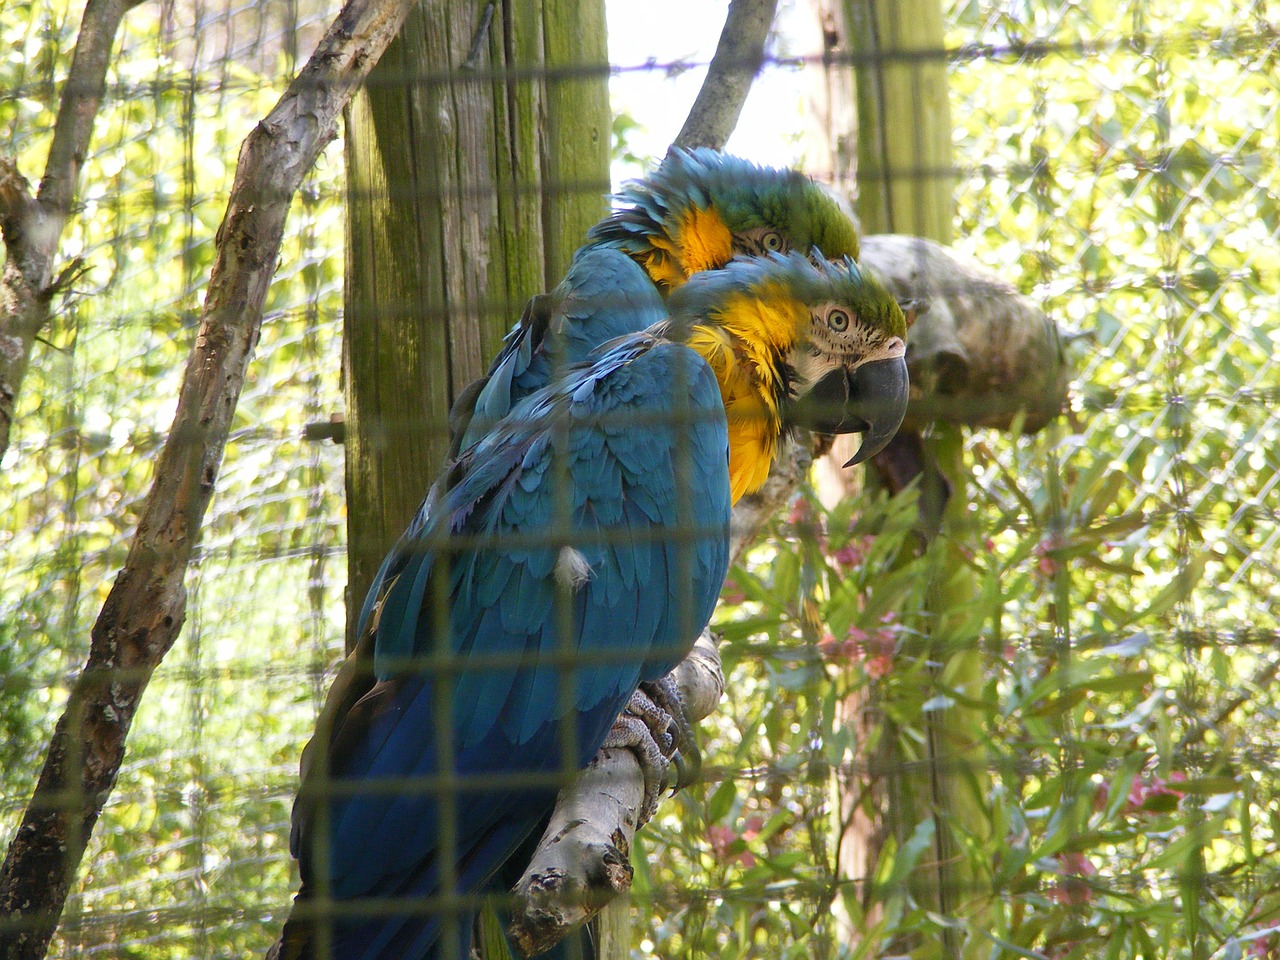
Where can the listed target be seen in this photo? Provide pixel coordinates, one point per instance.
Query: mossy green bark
(477, 157)
(905, 176)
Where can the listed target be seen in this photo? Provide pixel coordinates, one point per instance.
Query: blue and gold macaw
(696, 212)
(573, 552)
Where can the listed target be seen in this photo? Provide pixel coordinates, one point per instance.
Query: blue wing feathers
(604, 295)
(503, 600)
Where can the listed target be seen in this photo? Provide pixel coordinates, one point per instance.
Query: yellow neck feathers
(744, 346)
(700, 242)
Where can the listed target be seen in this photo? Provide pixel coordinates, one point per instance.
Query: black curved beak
(872, 400)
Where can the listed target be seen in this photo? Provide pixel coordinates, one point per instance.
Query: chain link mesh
(1116, 162)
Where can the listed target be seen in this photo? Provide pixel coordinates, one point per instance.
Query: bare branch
(32, 226)
(145, 609)
(736, 62)
(584, 858)
(81, 98)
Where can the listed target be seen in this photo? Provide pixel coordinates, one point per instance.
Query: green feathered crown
(743, 194)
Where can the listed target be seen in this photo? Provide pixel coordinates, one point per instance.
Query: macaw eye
(773, 242)
(838, 320)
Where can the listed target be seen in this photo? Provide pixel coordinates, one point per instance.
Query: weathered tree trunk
(477, 157)
(905, 185)
(145, 609)
(831, 118)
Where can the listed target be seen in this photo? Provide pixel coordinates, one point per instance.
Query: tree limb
(144, 611)
(32, 226)
(736, 62)
(981, 354)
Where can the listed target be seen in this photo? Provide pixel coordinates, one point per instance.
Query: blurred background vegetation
(1115, 162)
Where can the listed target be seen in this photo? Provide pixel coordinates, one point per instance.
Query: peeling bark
(584, 858)
(145, 609)
(981, 354)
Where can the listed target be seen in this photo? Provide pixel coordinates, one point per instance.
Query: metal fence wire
(1049, 731)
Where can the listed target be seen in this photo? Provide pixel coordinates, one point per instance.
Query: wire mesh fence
(1050, 732)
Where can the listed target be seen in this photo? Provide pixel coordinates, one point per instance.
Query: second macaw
(575, 551)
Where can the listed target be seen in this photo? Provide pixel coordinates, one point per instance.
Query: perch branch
(32, 226)
(738, 57)
(981, 354)
(145, 609)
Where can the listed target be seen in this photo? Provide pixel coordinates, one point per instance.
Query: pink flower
(1101, 794)
(877, 649)
(878, 666)
(732, 593)
(830, 649)
(799, 512)
(720, 838)
(729, 847)
(1155, 795)
(1267, 948)
(1047, 564)
(853, 553)
(1072, 889)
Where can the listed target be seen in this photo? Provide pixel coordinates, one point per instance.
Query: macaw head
(796, 344)
(701, 208)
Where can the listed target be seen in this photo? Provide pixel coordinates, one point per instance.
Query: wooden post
(905, 185)
(477, 157)
(905, 179)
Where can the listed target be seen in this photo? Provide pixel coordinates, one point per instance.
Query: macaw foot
(687, 758)
(648, 731)
(655, 727)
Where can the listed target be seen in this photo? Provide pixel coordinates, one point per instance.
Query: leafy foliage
(1087, 654)
(190, 856)
(1089, 648)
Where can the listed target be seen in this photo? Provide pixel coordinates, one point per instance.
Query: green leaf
(1176, 591)
(721, 801)
(1175, 854)
(920, 841)
(1206, 785)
